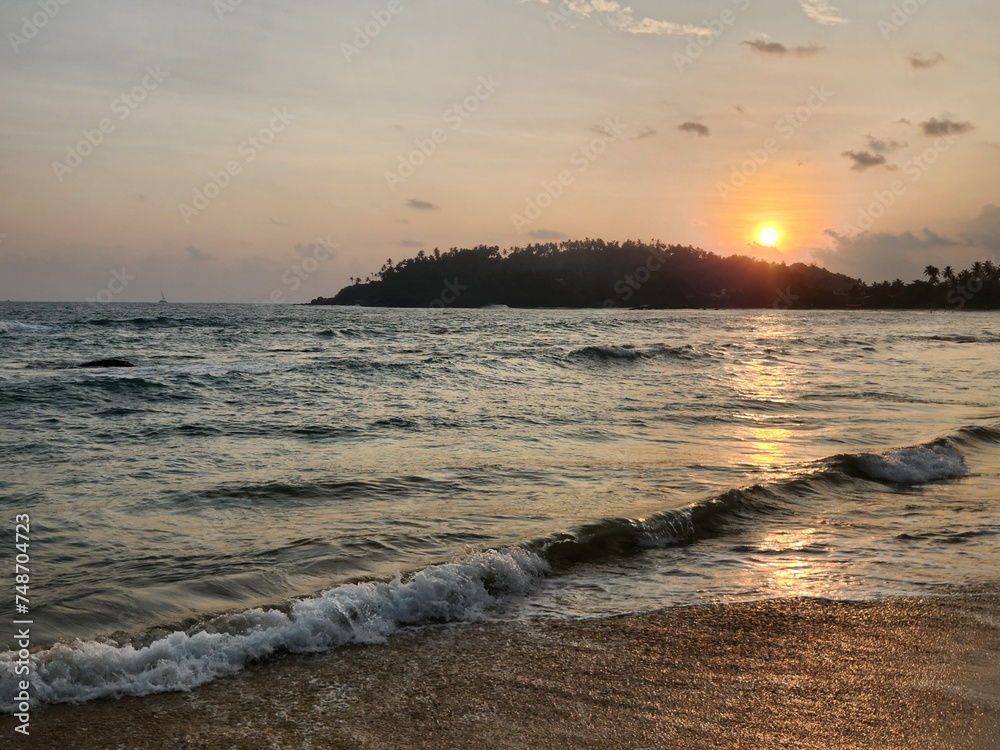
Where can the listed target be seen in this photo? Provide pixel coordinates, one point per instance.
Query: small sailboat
(163, 300)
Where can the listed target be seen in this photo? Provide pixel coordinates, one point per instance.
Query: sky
(252, 151)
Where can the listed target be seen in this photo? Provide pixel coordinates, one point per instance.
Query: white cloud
(822, 12)
(622, 17)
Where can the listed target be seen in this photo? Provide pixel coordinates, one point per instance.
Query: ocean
(274, 479)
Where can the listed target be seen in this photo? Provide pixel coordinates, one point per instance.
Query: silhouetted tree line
(973, 288)
(595, 273)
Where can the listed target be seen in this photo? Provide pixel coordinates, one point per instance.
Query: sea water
(275, 478)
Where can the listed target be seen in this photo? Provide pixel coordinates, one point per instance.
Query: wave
(287, 494)
(977, 435)
(956, 338)
(160, 321)
(628, 352)
(936, 461)
(464, 590)
(916, 465)
(617, 537)
(13, 327)
(947, 537)
(461, 591)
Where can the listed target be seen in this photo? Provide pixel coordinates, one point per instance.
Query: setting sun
(768, 236)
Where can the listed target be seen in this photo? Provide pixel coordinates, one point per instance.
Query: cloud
(278, 223)
(547, 234)
(919, 62)
(884, 145)
(411, 243)
(864, 160)
(777, 48)
(197, 254)
(694, 127)
(422, 205)
(650, 26)
(883, 256)
(934, 127)
(620, 17)
(647, 133)
(984, 231)
(822, 12)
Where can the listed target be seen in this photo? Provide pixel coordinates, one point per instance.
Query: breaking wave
(464, 590)
(14, 327)
(461, 591)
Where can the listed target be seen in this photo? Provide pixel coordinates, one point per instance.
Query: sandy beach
(800, 673)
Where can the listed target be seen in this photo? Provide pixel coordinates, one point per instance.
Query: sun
(768, 236)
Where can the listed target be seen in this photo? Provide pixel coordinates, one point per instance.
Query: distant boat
(163, 300)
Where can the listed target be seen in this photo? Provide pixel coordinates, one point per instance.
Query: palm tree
(932, 273)
(949, 275)
(977, 268)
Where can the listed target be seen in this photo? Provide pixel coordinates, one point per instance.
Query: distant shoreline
(652, 309)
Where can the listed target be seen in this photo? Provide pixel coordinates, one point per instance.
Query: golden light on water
(768, 447)
(787, 564)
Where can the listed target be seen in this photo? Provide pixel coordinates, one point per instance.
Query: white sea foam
(925, 463)
(353, 613)
(16, 326)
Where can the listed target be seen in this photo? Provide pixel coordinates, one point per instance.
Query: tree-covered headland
(594, 273)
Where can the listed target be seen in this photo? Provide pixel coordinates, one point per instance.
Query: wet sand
(908, 673)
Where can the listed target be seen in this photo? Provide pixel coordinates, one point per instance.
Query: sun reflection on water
(768, 444)
(792, 563)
